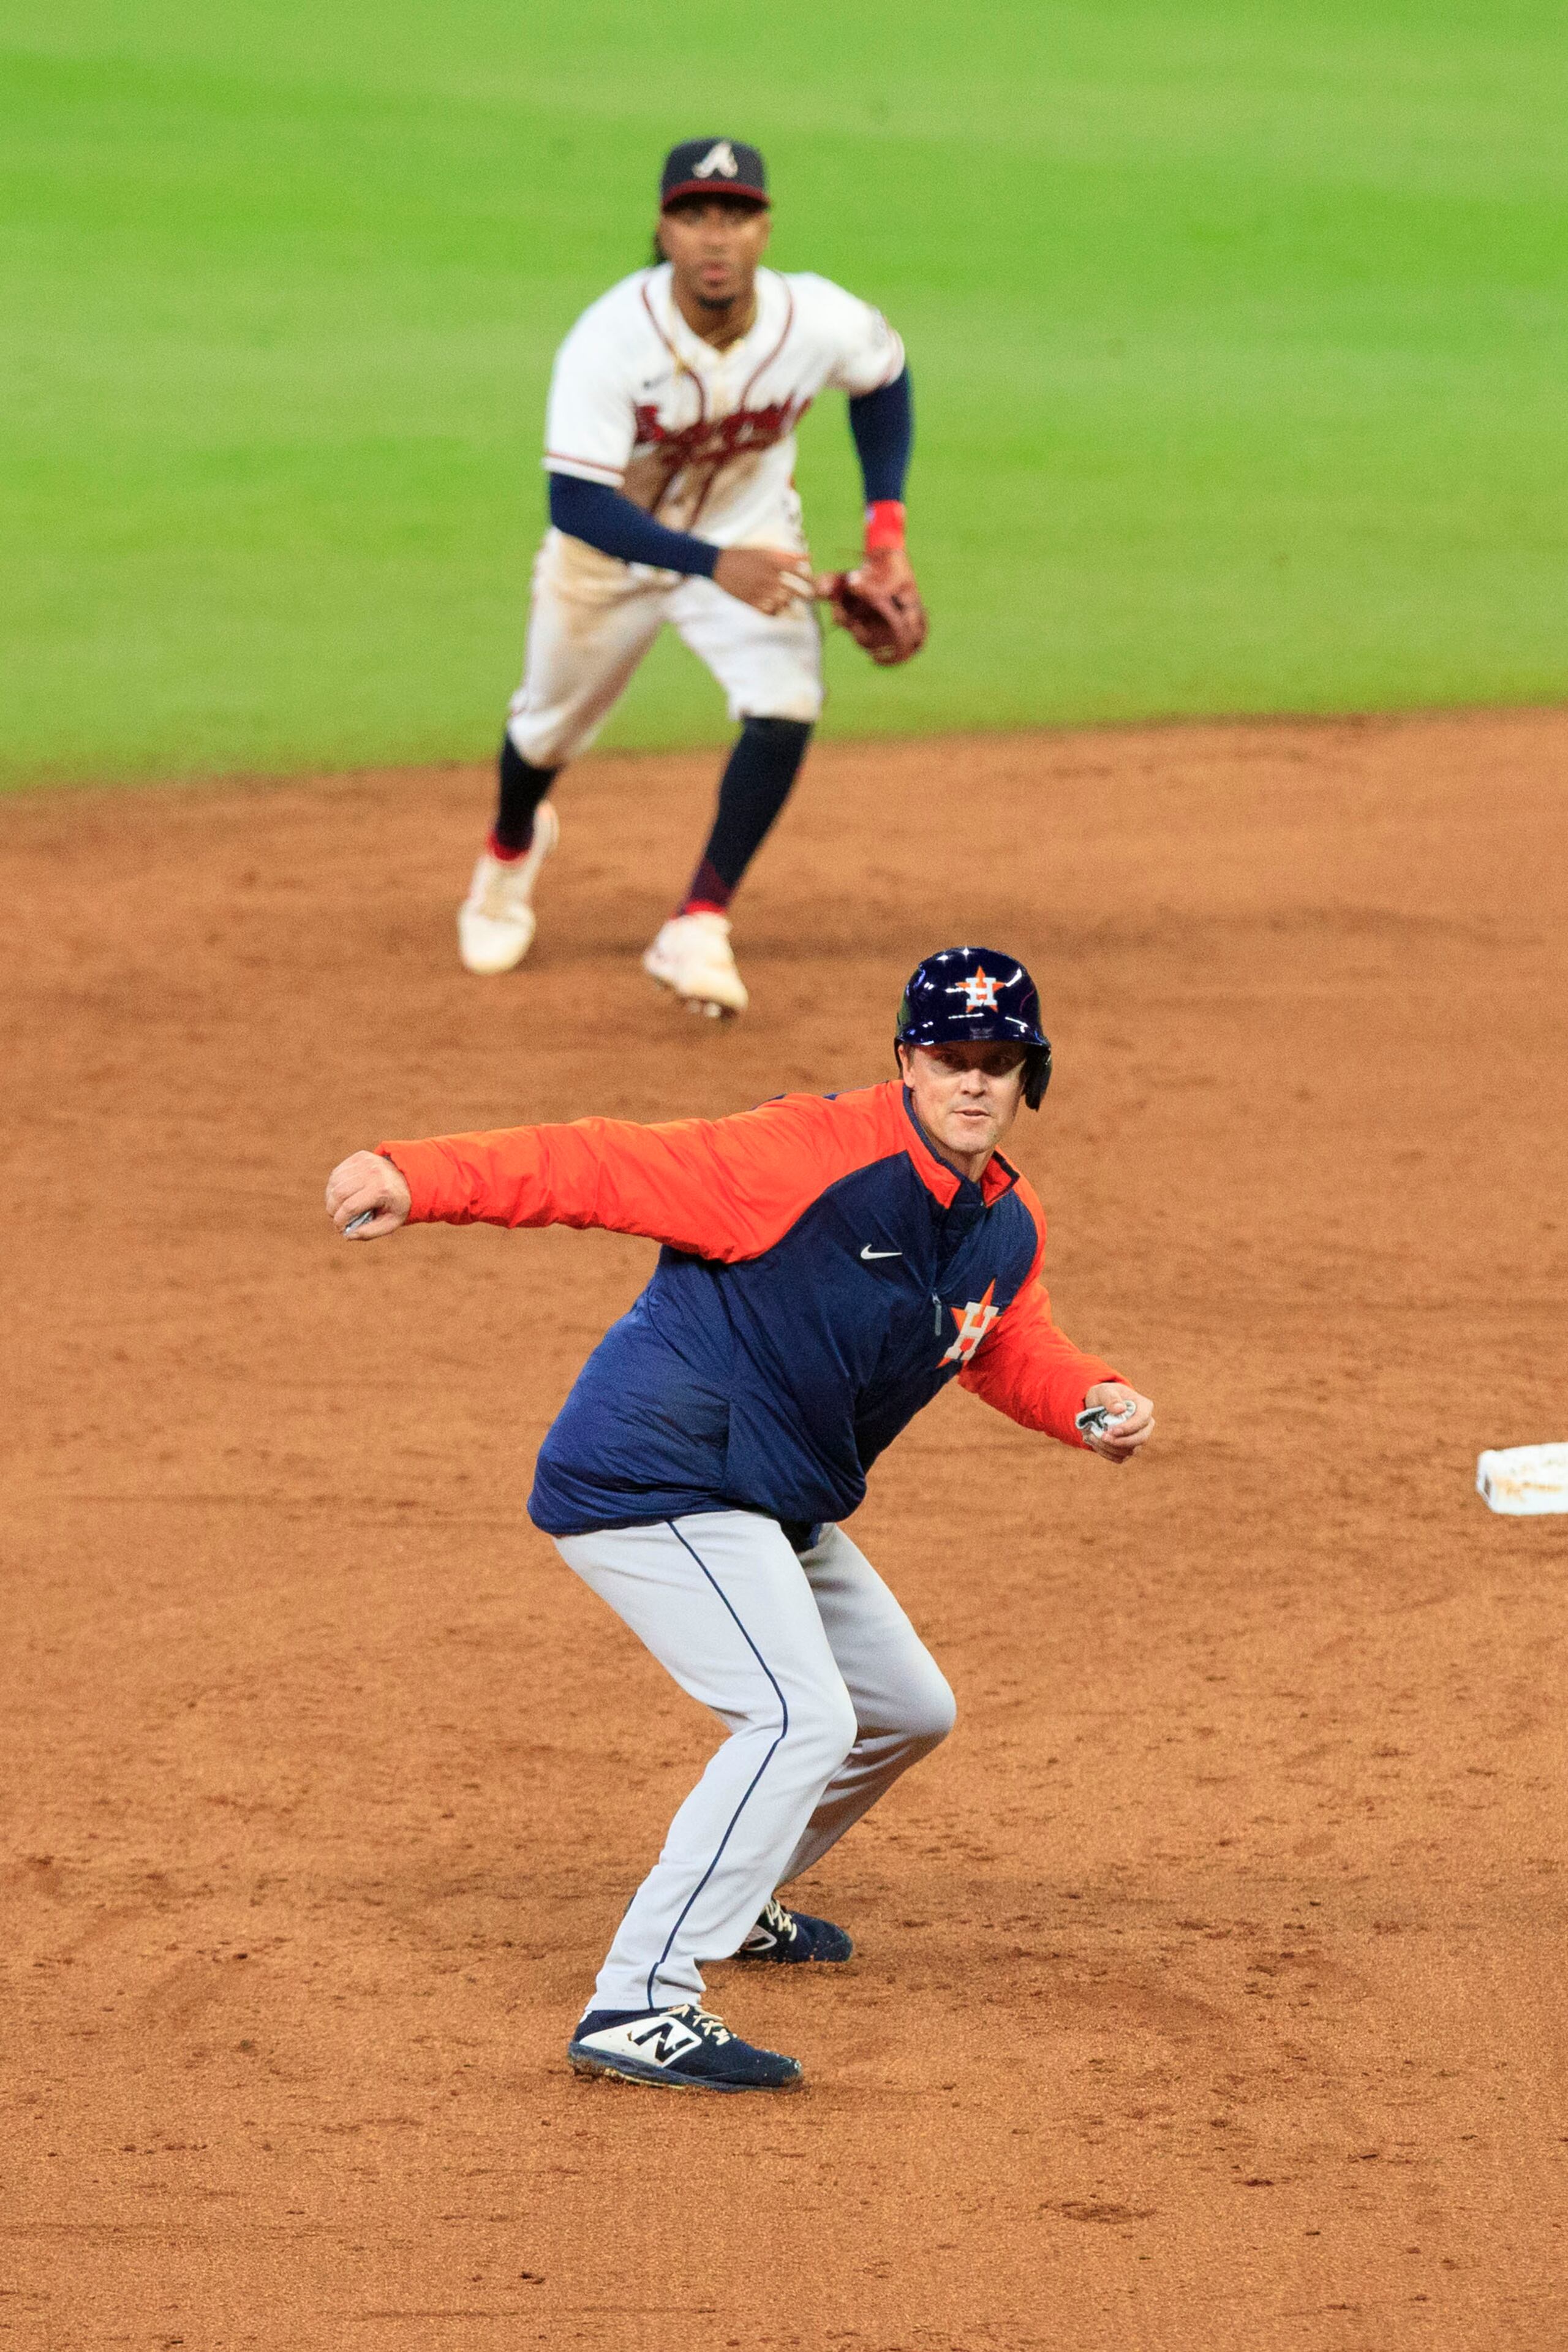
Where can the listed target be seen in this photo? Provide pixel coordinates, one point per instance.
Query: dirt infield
(1211, 1988)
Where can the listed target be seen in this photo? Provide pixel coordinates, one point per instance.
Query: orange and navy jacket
(823, 1274)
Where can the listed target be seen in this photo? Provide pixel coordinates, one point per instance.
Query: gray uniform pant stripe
(828, 1694)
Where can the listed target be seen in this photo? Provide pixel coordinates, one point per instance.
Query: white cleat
(692, 957)
(495, 921)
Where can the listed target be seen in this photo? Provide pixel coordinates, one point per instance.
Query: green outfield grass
(1239, 333)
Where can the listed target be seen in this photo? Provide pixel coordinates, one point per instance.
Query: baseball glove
(880, 607)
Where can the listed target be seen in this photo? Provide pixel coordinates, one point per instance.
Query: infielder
(670, 448)
(830, 1263)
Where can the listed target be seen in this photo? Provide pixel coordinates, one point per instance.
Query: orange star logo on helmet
(974, 1321)
(980, 989)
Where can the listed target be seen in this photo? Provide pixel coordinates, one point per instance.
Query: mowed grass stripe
(1239, 342)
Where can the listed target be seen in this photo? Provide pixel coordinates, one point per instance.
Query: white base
(1523, 1480)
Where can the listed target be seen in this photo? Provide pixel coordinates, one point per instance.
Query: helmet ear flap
(1036, 1074)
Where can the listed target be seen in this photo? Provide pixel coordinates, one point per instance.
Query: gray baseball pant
(828, 1694)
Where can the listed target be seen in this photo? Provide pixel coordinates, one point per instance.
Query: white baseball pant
(829, 1692)
(592, 619)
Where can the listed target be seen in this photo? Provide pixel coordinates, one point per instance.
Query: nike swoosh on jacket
(769, 1360)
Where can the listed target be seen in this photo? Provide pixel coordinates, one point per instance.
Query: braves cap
(712, 167)
(965, 995)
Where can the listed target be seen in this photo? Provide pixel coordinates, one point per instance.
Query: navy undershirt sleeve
(607, 521)
(882, 423)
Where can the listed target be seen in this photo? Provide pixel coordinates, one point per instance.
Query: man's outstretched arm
(724, 1189)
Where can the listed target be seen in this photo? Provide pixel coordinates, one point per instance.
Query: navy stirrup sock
(756, 784)
(520, 789)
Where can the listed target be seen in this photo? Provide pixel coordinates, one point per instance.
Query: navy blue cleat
(793, 1935)
(680, 2049)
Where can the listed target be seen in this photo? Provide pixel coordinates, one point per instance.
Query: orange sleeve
(1025, 1366)
(721, 1188)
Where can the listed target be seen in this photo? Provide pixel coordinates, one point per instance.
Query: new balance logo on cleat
(666, 2040)
(680, 2049)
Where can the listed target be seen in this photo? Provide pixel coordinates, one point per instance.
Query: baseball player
(670, 448)
(828, 1264)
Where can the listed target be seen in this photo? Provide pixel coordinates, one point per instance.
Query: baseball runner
(828, 1264)
(670, 448)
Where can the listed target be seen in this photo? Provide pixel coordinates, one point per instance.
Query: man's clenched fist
(365, 1181)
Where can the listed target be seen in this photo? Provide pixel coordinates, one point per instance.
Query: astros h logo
(979, 990)
(974, 1321)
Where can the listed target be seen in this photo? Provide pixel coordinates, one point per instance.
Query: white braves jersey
(701, 438)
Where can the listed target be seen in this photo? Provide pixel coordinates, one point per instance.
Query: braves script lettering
(715, 440)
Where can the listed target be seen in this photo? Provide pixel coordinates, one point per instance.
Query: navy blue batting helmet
(968, 995)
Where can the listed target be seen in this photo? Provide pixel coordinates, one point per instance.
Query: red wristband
(883, 524)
